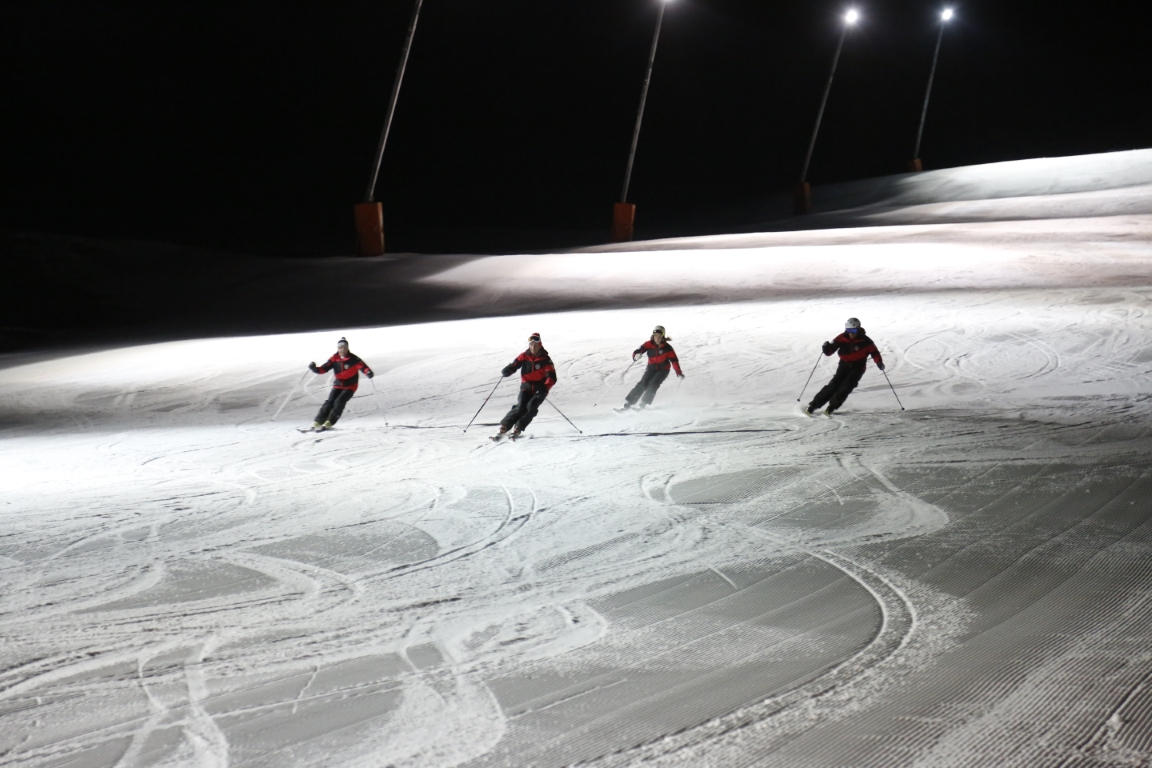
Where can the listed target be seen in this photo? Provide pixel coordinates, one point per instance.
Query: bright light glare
(946, 14)
(852, 16)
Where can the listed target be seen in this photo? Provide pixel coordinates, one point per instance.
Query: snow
(957, 576)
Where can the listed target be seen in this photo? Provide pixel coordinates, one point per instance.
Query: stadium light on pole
(945, 17)
(623, 212)
(370, 214)
(804, 191)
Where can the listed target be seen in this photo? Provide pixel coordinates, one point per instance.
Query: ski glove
(312, 367)
(880, 366)
(680, 375)
(828, 348)
(636, 356)
(509, 369)
(369, 374)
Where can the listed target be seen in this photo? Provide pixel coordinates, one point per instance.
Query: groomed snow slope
(953, 570)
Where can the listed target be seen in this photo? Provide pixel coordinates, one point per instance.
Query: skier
(661, 356)
(854, 348)
(347, 367)
(537, 377)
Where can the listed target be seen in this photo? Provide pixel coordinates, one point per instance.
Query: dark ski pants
(527, 405)
(836, 391)
(645, 389)
(334, 406)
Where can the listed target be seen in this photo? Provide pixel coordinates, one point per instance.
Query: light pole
(804, 190)
(945, 17)
(370, 214)
(623, 212)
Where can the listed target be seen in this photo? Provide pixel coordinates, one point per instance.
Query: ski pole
(484, 403)
(290, 393)
(892, 388)
(375, 394)
(624, 372)
(809, 378)
(565, 417)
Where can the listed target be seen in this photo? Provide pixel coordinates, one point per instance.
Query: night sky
(251, 127)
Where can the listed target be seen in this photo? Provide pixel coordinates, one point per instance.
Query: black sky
(251, 126)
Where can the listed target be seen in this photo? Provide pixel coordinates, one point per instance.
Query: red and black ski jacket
(347, 370)
(534, 369)
(854, 348)
(659, 355)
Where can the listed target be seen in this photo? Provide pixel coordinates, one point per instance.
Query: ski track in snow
(716, 580)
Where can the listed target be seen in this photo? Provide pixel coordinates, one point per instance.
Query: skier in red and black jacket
(347, 368)
(537, 377)
(854, 348)
(661, 357)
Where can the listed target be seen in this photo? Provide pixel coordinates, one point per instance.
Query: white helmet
(852, 322)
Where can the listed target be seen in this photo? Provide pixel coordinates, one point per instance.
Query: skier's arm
(675, 362)
(510, 369)
(876, 357)
(367, 370)
(830, 348)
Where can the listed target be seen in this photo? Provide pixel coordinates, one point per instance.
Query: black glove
(369, 374)
(828, 347)
(880, 366)
(679, 375)
(508, 370)
(312, 367)
(636, 356)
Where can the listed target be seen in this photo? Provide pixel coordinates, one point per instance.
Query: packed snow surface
(953, 570)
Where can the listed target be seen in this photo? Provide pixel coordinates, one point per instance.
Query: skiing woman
(537, 377)
(347, 367)
(661, 356)
(854, 348)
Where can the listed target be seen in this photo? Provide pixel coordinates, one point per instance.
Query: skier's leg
(338, 406)
(532, 407)
(847, 384)
(517, 410)
(326, 406)
(638, 390)
(654, 383)
(825, 392)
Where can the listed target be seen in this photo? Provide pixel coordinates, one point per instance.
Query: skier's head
(658, 331)
(852, 325)
(534, 342)
(342, 345)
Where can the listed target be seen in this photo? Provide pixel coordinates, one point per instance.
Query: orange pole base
(915, 166)
(803, 200)
(623, 222)
(369, 229)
